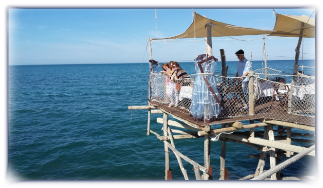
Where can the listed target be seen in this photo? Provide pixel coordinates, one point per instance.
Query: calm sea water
(71, 122)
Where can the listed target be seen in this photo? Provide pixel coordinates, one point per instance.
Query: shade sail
(198, 30)
(289, 26)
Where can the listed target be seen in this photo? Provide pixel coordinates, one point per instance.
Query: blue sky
(119, 35)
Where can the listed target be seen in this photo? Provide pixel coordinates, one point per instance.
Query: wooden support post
(226, 176)
(176, 155)
(288, 140)
(210, 173)
(165, 127)
(148, 122)
(206, 156)
(169, 174)
(263, 155)
(272, 151)
(222, 157)
(208, 39)
(197, 173)
(252, 130)
(223, 61)
(251, 95)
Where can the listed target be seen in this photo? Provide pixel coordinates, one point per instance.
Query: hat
(240, 52)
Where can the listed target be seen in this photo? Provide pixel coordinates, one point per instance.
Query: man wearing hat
(244, 67)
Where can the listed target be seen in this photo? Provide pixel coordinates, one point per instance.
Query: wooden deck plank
(262, 111)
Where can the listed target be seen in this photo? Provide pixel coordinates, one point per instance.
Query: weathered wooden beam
(141, 107)
(148, 122)
(207, 147)
(237, 125)
(299, 178)
(272, 151)
(167, 163)
(184, 132)
(252, 130)
(228, 129)
(259, 148)
(162, 138)
(177, 124)
(202, 168)
(197, 173)
(176, 137)
(284, 138)
(176, 155)
(292, 125)
(156, 112)
(263, 155)
(222, 157)
(268, 143)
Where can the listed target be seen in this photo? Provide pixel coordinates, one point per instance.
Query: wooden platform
(262, 111)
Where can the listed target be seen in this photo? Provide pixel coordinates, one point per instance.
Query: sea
(71, 122)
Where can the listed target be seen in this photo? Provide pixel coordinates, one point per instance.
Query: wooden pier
(264, 141)
(289, 111)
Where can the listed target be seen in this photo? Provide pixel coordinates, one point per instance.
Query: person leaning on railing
(183, 79)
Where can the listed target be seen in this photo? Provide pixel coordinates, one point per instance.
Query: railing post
(251, 95)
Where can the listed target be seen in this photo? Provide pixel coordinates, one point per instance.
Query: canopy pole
(264, 48)
(208, 39)
(149, 88)
(295, 70)
(297, 51)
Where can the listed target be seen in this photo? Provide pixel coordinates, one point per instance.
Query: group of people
(173, 73)
(175, 78)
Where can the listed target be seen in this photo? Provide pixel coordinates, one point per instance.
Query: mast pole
(264, 48)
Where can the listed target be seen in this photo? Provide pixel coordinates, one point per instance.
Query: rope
(310, 16)
(217, 136)
(137, 79)
(235, 38)
(284, 164)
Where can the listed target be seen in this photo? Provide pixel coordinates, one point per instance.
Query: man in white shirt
(244, 67)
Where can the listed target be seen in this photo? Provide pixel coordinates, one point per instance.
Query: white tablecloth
(301, 91)
(266, 89)
(186, 92)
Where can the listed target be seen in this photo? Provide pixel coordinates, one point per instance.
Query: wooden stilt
(226, 176)
(169, 174)
(288, 140)
(165, 127)
(148, 122)
(178, 157)
(252, 130)
(197, 173)
(206, 156)
(263, 155)
(222, 158)
(272, 151)
(210, 173)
